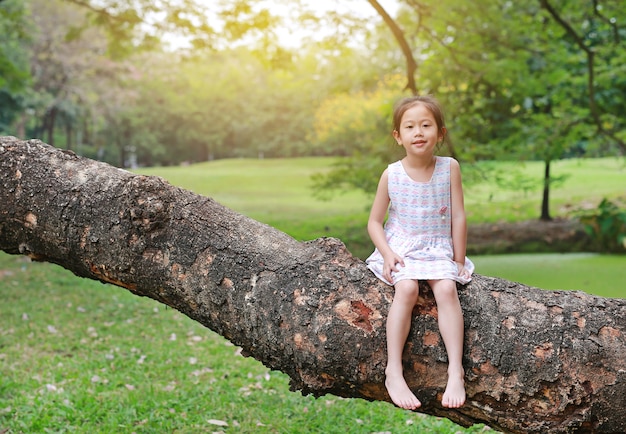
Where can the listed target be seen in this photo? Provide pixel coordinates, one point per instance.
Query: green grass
(80, 356)
(278, 192)
(274, 191)
(602, 275)
(586, 182)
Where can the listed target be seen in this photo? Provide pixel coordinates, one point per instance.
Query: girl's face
(419, 133)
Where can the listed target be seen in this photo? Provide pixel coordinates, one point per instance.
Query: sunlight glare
(292, 34)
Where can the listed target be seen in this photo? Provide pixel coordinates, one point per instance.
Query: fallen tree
(535, 360)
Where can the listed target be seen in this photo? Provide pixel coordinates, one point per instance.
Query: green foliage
(357, 125)
(14, 74)
(515, 84)
(607, 225)
(13, 59)
(220, 105)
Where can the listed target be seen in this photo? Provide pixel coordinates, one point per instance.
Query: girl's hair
(427, 101)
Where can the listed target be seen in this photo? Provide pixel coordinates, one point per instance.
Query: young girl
(424, 238)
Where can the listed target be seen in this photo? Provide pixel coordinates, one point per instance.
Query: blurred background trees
(182, 81)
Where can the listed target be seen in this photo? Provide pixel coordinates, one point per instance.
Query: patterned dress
(418, 226)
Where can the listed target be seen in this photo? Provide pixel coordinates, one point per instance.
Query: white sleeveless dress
(418, 227)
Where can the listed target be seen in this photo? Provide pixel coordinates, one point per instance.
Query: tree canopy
(145, 83)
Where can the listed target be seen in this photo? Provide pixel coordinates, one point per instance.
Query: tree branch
(411, 65)
(593, 106)
(535, 361)
(611, 23)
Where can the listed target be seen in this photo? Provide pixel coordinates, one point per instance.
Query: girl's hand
(389, 265)
(463, 272)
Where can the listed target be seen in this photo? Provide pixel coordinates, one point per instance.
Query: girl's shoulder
(394, 168)
(448, 162)
(452, 160)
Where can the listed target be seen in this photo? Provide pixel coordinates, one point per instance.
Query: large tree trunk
(536, 361)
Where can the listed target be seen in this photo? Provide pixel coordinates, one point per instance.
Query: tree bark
(535, 361)
(545, 198)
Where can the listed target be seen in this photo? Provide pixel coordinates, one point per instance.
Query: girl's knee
(408, 289)
(444, 290)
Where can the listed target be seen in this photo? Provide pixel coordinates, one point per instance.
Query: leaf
(217, 422)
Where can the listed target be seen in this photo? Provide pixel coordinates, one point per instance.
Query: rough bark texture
(536, 361)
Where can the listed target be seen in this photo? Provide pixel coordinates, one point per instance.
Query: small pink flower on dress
(442, 211)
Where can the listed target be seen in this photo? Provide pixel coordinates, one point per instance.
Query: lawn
(602, 275)
(80, 356)
(585, 182)
(278, 192)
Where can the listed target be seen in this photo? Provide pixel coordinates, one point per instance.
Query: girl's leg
(451, 329)
(398, 325)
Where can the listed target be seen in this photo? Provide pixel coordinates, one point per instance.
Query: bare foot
(454, 396)
(400, 393)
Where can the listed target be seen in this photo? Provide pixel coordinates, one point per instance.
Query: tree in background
(524, 80)
(519, 80)
(106, 84)
(14, 74)
(357, 126)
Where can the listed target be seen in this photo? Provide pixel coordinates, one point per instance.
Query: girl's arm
(376, 231)
(459, 223)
